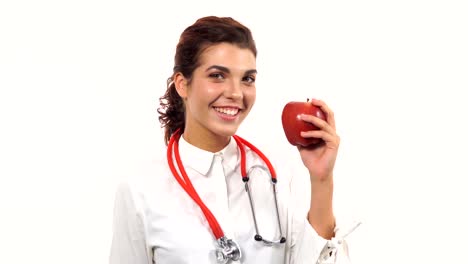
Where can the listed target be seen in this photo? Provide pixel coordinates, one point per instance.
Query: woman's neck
(207, 141)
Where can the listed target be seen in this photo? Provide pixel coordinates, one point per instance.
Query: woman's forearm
(321, 208)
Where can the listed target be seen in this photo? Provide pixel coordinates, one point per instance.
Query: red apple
(293, 124)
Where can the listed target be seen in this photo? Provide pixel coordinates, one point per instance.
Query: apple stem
(307, 99)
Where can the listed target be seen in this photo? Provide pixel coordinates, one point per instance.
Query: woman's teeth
(227, 111)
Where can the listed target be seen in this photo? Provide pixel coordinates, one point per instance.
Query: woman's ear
(180, 84)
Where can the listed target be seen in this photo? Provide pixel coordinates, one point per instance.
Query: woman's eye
(217, 75)
(249, 79)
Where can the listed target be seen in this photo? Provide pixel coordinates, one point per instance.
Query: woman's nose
(233, 91)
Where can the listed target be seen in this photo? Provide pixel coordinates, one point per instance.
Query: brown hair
(194, 40)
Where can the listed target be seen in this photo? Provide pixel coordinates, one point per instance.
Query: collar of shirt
(200, 160)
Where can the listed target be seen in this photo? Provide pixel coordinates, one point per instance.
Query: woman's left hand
(320, 159)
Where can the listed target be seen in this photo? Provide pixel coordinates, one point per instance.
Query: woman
(194, 207)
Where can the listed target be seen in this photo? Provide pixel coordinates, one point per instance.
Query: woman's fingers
(328, 112)
(326, 129)
(321, 124)
(332, 140)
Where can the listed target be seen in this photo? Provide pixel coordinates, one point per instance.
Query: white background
(80, 82)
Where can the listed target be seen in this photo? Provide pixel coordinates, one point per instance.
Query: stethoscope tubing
(186, 184)
(241, 142)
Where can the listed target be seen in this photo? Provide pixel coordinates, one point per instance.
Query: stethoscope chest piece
(227, 250)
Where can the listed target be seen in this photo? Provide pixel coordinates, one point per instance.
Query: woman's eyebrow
(251, 72)
(226, 70)
(219, 68)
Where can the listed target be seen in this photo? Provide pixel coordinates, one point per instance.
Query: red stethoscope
(228, 248)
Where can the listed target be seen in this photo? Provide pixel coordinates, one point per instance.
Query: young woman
(216, 198)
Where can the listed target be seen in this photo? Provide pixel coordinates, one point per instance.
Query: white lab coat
(155, 221)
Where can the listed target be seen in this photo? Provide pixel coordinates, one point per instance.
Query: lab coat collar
(200, 160)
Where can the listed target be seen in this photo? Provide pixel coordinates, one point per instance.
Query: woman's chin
(226, 131)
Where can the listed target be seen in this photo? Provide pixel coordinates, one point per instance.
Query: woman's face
(221, 91)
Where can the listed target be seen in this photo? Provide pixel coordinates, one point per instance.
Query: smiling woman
(206, 206)
(219, 54)
(218, 96)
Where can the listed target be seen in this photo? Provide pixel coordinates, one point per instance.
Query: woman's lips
(227, 113)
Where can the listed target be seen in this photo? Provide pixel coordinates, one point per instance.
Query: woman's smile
(227, 113)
